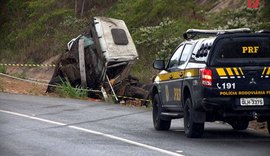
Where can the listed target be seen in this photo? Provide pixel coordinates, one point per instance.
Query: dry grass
(2, 85)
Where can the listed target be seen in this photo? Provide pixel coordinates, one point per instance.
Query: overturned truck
(101, 58)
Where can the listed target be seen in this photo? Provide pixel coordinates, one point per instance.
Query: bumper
(230, 107)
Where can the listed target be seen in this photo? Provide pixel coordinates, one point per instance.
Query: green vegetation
(3, 69)
(68, 91)
(256, 19)
(21, 75)
(35, 30)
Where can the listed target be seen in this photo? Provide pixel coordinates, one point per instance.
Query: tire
(54, 81)
(159, 123)
(268, 126)
(192, 129)
(239, 125)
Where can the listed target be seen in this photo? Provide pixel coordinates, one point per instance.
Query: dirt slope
(10, 85)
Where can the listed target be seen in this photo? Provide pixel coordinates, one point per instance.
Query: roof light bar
(191, 33)
(263, 31)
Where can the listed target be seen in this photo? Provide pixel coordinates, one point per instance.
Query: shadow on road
(227, 133)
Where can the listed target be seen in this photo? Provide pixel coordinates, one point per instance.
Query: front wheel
(159, 123)
(192, 129)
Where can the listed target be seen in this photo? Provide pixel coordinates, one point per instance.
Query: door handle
(181, 74)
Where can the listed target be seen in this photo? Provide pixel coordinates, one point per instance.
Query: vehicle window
(245, 48)
(175, 58)
(185, 54)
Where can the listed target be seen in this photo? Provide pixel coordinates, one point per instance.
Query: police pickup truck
(224, 76)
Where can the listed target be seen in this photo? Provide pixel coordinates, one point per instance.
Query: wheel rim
(155, 112)
(268, 126)
(187, 117)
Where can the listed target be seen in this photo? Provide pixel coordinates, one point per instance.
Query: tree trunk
(83, 3)
(76, 7)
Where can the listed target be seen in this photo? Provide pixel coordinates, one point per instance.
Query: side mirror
(159, 64)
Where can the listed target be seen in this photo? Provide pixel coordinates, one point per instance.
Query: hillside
(32, 31)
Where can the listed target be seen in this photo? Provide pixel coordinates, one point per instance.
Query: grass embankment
(34, 30)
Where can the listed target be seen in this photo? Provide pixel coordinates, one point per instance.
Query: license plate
(251, 101)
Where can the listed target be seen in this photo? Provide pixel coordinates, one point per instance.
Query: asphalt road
(32, 125)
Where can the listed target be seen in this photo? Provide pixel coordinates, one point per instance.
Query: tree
(83, 4)
(79, 8)
(76, 7)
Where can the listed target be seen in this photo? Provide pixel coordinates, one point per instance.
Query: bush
(68, 91)
(255, 19)
(3, 69)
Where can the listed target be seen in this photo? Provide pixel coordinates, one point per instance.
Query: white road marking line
(96, 133)
(34, 118)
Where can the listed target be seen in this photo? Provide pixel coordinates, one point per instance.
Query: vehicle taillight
(206, 75)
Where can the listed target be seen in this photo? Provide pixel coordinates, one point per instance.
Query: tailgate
(252, 81)
(240, 64)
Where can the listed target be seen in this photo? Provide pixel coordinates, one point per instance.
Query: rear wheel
(159, 123)
(239, 124)
(268, 126)
(192, 129)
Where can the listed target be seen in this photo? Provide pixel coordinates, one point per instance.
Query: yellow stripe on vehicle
(229, 70)
(177, 75)
(268, 72)
(241, 71)
(164, 77)
(167, 76)
(221, 72)
(236, 71)
(264, 70)
(191, 73)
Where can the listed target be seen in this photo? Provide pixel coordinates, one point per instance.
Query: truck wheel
(192, 129)
(239, 124)
(159, 124)
(268, 126)
(54, 81)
